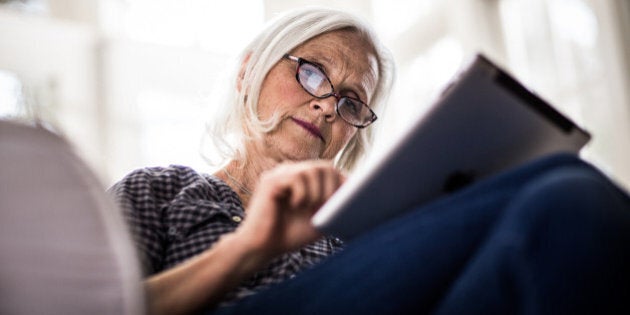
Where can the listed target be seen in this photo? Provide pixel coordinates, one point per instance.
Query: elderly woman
(303, 101)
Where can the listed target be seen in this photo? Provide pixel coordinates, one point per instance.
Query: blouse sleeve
(174, 213)
(142, 195)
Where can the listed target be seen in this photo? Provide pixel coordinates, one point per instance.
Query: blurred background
(128, 81)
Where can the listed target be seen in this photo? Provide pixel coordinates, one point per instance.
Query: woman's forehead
(347, 42)
(344, 52)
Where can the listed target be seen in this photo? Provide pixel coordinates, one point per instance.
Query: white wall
(58, 59)
(155, 87)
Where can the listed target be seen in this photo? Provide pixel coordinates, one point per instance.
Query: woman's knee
(576, 194)
(572, 222)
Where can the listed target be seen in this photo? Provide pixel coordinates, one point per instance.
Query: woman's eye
(352, 106)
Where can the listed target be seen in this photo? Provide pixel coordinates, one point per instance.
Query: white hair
(238, 121)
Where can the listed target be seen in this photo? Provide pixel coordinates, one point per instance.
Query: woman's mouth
(312, 129)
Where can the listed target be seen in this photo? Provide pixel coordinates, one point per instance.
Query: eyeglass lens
(315, 82)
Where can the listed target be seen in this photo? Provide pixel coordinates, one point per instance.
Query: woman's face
(310, 127)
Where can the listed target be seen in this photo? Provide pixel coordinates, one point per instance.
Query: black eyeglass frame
(338, 97)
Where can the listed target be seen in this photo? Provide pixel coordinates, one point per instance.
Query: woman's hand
(286, 197)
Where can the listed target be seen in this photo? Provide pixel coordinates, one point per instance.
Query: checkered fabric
(176, 213)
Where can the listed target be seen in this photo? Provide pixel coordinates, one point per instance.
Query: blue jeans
(552, 236)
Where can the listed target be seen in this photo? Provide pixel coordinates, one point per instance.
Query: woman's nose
(326, 106)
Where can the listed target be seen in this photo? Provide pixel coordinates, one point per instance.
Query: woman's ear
(241, 72)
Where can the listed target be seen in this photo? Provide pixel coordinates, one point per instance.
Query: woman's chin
(305, 152)
(295, 148)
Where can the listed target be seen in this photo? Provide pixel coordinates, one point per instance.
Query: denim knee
(572, 228)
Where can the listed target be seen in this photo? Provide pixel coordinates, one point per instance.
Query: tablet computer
(483, 122)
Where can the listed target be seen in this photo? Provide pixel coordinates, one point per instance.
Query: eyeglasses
(315, 82)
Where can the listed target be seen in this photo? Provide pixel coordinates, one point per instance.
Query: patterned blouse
(176, 213)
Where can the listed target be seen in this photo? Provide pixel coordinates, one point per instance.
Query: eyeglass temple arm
(296, 59)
